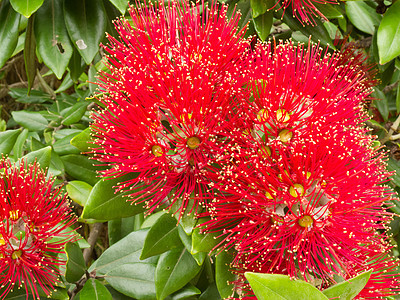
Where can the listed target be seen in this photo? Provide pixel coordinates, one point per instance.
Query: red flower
(33, 230)
(175, 77)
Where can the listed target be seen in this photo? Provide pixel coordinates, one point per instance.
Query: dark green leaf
(64, 147)
(94, 290)
(394, 165)
(18, 149)
(281, 287)
(259, 7)
(174, 270)
(203, 242)
(381, 103)
(41, 156)
(133, 279)
(81, 168)
(120, 228)
(26, 7)
(388, 34)
(163, 236)
(76, 65)
(74, 113)
(76, 266)
(187, 242)
(329, 10)
(347, 290)
(223, 274)
(52, 39)
(9, 22)
(86, 24)
(30, 53)
(56, 165)
(104, 204)
(7, 140)
(263, 24)
(30, 119)
(81, 141)
(120, 4)
(21, 95)
(363, 16)
(186, 292)
(78, 191)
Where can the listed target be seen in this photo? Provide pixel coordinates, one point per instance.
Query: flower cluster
(269, 140)
(33, 229)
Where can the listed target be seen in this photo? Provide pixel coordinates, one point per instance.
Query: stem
(393, 128)
(93, 236)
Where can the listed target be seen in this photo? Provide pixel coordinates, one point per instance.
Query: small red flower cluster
(270, 141)
(33, 229)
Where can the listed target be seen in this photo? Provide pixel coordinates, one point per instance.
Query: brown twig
(390, 87)
(93, 236)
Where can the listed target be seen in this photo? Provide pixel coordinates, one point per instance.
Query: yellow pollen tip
(297, 190)
(2, 241)
(157, 150)
(193, 142)
(14, 215)
(306, 221)
(268, 195)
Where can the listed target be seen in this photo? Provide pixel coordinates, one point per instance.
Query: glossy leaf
(41, 156)
(7, 140)
(78, 191)
(18, 148)
(281, 287)
(94, 290)
(174, 270)
(163, 236)
(30, 119)
(30, 53)
(26, 7)
(76, 65)
(362, 16)
(259, 7)
(21, 95)
(63, 146)
(9, 22)
(186, 292)
(121, 5)
(223, 274)
(203, 242)
(347, 290)
(263, 24)
(86, 24)
(104, 204)
(74, 113)
(388, 34)
(52, 41)
(81, 141)
(76, 266)
(81, 168)
(187, 242)
(120, 228)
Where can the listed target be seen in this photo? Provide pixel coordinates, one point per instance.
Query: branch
(93, 236)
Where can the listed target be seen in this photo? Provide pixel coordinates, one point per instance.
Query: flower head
(33, 228)
(175, 79)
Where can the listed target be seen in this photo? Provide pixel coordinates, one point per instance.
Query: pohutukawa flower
(175, 77)
(33, 229)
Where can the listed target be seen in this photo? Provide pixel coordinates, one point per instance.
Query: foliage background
(49, 58)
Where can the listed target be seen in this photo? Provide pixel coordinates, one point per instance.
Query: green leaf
(187, 292)
(124, 270)
(81, 141)
(31, 120)
(52, 39)
(203, 242)
(328, 10)
(76, 266)
(26, 7)
(78, 191)
(281, 287)
(263, 24)
(394, 165)
(120, 228)
(187, 242)
(30, 53)
(174, 270)
(223, 275)
(94, 290)
(74, 113)
(104, 204)
(64, 147)
(18, 148)
(7, 140)
(347, 290)
(163, 236)
(363, 16)
(133, 279)
(381, 103)
(9, 22)
(120, 4)
(259, 7)
(211, 293)
(81, 168)
(86, 24)
(388, 33)
(41, 156)
(21, 95)
(76, 65)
